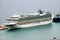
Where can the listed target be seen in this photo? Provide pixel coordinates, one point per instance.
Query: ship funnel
(40, 11)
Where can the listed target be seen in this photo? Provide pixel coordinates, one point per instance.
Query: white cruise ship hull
(34, 24)
(30, 25)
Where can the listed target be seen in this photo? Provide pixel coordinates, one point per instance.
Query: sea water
(44, 32)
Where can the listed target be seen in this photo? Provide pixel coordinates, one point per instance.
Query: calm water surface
(44, 32)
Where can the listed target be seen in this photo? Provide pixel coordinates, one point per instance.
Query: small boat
(56, 18)
(54, 38)
(26, 21)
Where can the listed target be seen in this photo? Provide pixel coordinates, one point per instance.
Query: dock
(2, 27)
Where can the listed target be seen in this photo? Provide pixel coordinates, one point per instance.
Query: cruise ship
(31, 20)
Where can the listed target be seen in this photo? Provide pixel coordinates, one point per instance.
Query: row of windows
(33, 21)
(35, 17)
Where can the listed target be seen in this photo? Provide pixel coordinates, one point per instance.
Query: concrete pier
(2, 27)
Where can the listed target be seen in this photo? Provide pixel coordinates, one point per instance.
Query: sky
(11, 7)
